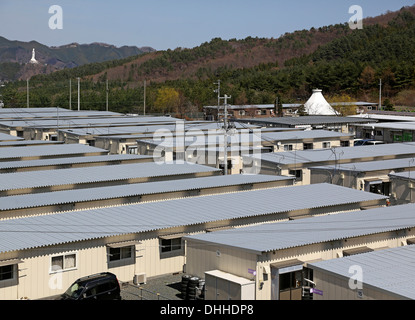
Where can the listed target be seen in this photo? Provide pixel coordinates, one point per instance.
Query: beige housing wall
(202, 257)
(36, 280)
(33, 278)
(299, 145)
(403, 190)
(335, 287)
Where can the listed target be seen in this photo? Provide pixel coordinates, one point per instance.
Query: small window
(288, 147)
(63, 262)
(241, 112)
(116, 254)
(344, 143)
(132, 150)
(168, 245)
(296, 173)
(6, 272)
(326, 145)
(307, 146)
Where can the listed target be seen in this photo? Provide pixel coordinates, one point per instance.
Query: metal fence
(134, 292)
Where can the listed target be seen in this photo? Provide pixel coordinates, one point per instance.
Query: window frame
(63, 255)
(326, 144)
(171, 248)
(288, 147)
(12, 272)
(122, 256)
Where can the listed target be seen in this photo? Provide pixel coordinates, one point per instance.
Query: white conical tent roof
(318, 105)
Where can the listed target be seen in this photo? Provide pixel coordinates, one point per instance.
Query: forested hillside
(15, 55)
(342, 62)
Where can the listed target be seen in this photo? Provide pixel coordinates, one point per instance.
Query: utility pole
(380, 94)
(225, 126)
(70, 94)
(218, 92)
(27, 93)
(79, 102)
(106, 91)
(144, 97)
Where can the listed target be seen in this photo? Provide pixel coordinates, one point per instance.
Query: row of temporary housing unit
(172, 218)
(334, 123)
(310, 257)
(298, 163)
(209, 149)
(315, 105)
(143, 240)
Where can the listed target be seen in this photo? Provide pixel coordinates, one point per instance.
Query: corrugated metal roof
(44, 178)
(391, 270)
(22, 143)
(245, 137)
(8, 137)
(65, 121)
(70, 160)
(390, 125)
(148, 129)
(135, 189)
(49, 150)
(296, 233)
(403, 175)
(32, 232)
(340, 153)
(32, 110)
(371, 165)
(306, 120)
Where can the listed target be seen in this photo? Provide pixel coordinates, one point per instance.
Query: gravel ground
(160, 288)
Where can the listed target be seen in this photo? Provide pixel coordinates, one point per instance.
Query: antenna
(380, 94)
(225, 127)
(218, 92)
(106, 91)
(144, 97)
(70, 94)
(27, 93)
(79, 103)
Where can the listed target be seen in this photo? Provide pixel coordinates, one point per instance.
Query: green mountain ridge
(14, 55)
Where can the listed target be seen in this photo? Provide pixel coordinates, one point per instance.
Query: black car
(101, 286)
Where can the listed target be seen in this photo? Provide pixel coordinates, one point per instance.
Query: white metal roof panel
(37, 179)
(390, 270)
(149, 128)
(340, 153)
(31, 232)
(371, 165)
(65, 121)
(70, 160)
(49, 150)
(307, 120)
(135, 189)
(296, 233)
(22, 143)
(8, 137)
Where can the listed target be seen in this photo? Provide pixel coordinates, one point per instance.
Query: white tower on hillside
(33, 60)
(318, 105)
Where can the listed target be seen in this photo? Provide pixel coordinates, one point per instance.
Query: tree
(345, 106)
(367, 78)
(167, 100)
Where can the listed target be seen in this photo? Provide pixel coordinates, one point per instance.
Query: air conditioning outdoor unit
(140, 278)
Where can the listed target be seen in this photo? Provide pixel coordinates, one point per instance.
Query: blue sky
(164, 24)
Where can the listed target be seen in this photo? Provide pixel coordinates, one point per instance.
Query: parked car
(101, 286)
